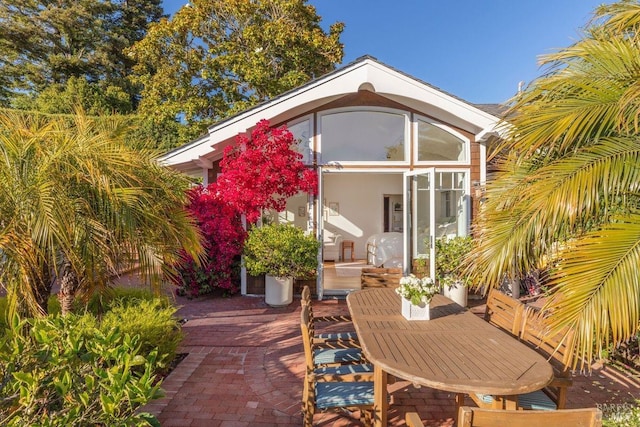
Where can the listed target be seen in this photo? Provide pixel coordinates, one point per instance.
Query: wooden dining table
(455, 351)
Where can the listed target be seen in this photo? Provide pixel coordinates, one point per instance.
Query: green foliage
(84, 204)
(620, 415)
(280, 250)
(45, 43)
(214, 58)
(61, 371)
(153, 321)
(97, 98)
(564, 198)
(100, 302)
(450, 254)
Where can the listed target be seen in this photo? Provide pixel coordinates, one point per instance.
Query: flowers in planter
(416, 289)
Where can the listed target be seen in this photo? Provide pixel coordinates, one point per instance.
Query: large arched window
(435, 144)
(363, 136)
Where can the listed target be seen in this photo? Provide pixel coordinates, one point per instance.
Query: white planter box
(457, 292)
(414, 312)
(278, 291)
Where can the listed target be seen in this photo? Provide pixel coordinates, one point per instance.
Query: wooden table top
(454, 351)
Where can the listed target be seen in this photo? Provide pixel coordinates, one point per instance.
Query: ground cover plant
(95, 367)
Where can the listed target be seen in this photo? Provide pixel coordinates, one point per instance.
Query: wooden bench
(373, 277)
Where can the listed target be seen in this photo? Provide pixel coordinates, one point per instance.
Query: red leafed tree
(223, 236)
(258, 173)
(261, 172)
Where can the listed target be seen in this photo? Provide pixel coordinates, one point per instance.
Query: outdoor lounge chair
(338, 386)
(478, 417)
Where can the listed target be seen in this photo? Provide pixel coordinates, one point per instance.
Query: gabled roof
(367, 72)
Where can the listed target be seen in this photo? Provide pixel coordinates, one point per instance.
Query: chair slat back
(504, 312)
(555, 347)
(478, 417)
(380, 277)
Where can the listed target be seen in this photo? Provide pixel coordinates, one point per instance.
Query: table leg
(511, 402)
(380, 401)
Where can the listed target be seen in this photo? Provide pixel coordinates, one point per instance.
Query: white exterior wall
(360, 196)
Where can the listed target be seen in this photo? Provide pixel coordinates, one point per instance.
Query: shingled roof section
(497, 110)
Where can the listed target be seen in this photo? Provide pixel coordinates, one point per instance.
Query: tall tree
(566, 198)
(218, 57)
(49, 42)
(76, 205)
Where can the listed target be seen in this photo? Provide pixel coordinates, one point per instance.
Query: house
(400, 162)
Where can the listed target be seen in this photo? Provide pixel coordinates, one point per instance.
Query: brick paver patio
(245, 368)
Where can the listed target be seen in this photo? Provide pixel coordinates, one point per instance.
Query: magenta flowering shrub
(263, 171)
(223, 235)
(257, 173)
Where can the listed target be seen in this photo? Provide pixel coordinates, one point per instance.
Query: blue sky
(478, 50)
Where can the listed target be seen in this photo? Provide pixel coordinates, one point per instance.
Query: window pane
(436, 144)
(371, 136)
(302, 134)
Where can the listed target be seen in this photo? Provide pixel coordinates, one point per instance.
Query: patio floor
(245, 368)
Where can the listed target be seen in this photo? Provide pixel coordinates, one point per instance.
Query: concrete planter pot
(278, 291)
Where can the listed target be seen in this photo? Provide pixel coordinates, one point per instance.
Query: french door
(436, 205)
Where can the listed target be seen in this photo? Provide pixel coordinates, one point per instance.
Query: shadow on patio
(245, 367)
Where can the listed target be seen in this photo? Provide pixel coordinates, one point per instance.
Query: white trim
(387, 82)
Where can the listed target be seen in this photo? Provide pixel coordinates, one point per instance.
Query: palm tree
(77, 205)
(565, 197)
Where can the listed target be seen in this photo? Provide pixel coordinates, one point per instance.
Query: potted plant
(449, 256)
(416, 295)
(280, 252)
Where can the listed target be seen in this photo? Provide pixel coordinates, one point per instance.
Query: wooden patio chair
(373, 277)
(413, 419)
(557, 349)
(349, 338)
(337, 386)
(478, 417)
(328, 353)
(504, 312)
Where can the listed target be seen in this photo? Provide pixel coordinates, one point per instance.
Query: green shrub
(100, 302)
(153, 320)
(280, 250)
(61, 371)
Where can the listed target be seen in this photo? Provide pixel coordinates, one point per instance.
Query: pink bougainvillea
(223, 236)
(261, 172)
(257, 173)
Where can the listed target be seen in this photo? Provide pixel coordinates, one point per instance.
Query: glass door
(436, 206)
(419, 222)
(319, 226)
